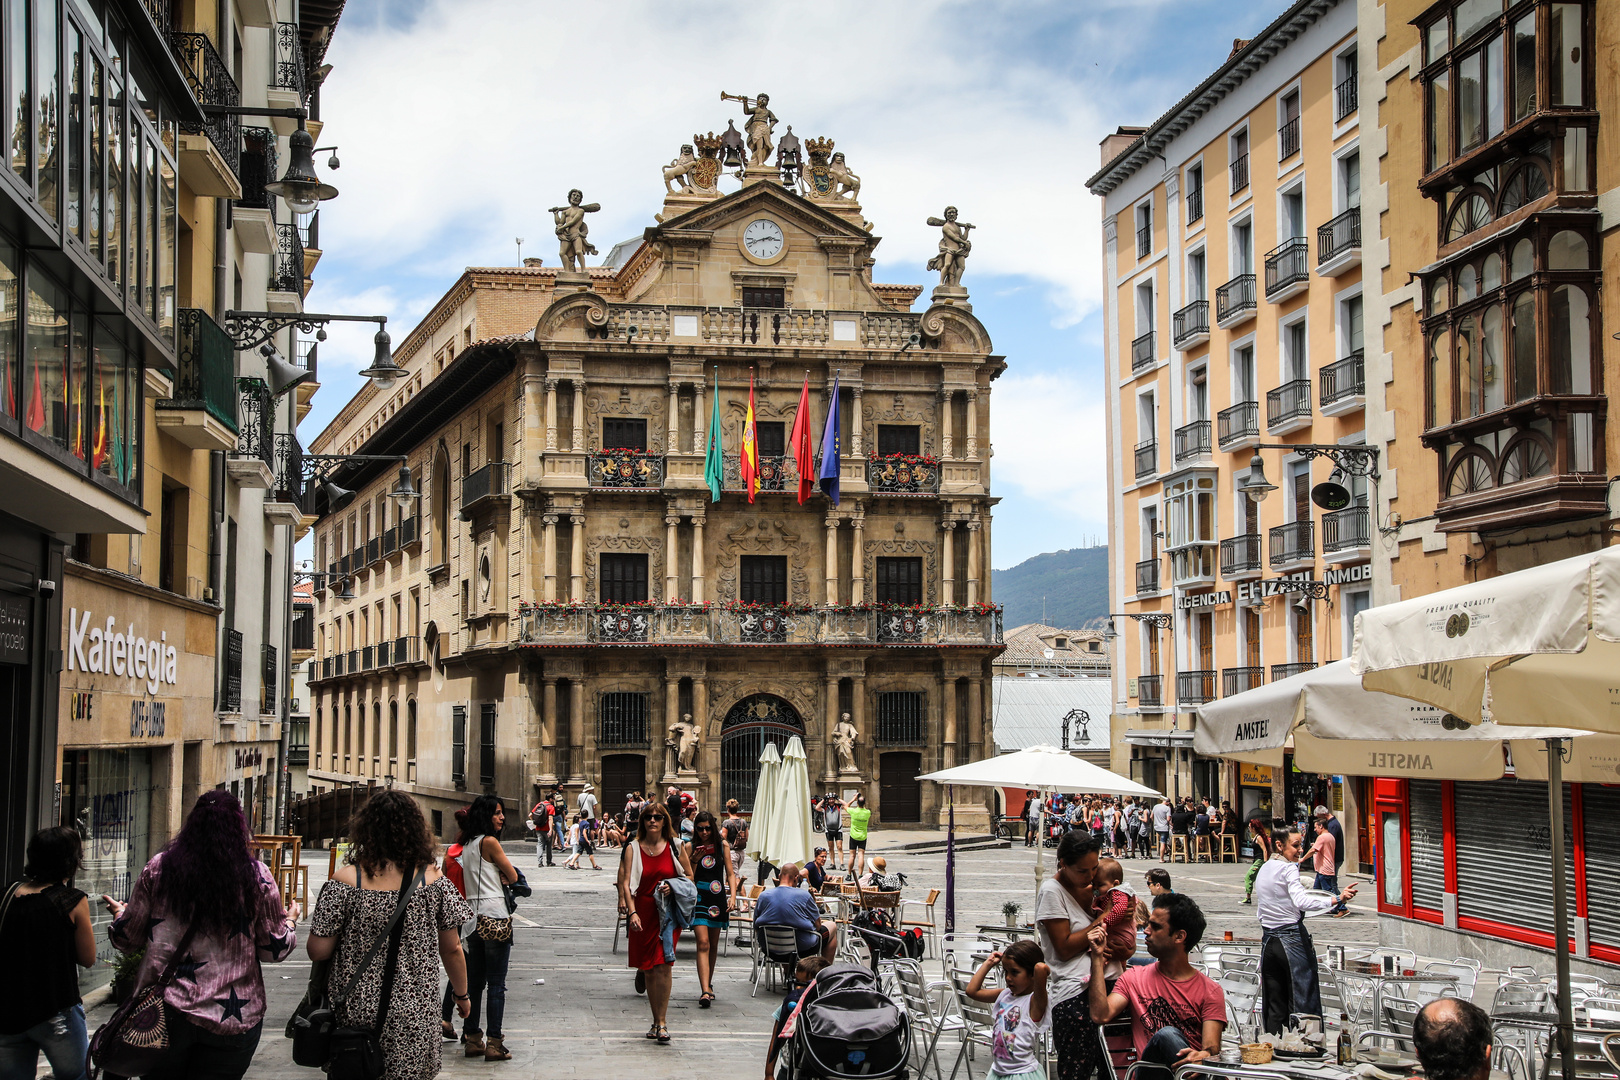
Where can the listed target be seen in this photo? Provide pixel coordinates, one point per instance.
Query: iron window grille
(621, 720)
(901, 718)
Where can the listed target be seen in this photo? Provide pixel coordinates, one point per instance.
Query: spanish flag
(750, 448)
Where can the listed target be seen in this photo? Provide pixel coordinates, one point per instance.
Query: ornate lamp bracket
(249, 329)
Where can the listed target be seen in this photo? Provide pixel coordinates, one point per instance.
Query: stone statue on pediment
(954, 248)
(572, 230)
(844, 737)
(680, 170)
(761, 122)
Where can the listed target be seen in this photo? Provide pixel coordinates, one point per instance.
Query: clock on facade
(763, 239)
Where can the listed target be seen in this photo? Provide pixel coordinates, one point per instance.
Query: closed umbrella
(789, 839)
(759, 828)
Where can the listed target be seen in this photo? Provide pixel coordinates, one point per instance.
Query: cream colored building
(568, 592)
(1234, 318)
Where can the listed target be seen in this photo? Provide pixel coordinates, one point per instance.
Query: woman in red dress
(644, 866)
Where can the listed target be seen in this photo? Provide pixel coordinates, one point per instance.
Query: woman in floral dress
(389, 844)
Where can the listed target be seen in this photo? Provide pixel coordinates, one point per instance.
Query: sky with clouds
(459, 121)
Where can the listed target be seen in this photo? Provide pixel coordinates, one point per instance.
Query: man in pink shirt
(1324, 853)
(1177, 1012)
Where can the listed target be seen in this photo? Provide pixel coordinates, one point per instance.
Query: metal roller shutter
(1601, 826)
(1428, 845)
(1503, 850)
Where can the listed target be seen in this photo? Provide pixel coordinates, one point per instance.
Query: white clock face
(763, 239)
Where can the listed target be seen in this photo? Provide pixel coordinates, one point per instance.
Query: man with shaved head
(1453, 1040)
(788, 905)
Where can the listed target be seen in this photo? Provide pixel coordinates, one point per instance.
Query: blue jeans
(486, 966)
(1162, 1049)
(1328, 883)
(62, 1037)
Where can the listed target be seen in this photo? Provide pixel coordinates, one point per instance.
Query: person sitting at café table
(1453, 1040)
(788, 905)
(1177, 1012)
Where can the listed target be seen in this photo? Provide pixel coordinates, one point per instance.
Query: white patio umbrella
(1042, 768)
(789, 838)
(759, 827)
(1524, 649)
(1337, 726)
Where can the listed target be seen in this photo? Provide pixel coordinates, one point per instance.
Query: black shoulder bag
(351, 1053)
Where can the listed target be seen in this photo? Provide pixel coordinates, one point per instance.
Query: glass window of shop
(93, 147)
(110, 798)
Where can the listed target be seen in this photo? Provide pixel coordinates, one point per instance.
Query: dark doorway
(748, 726)
(621, 774)
(899, 790)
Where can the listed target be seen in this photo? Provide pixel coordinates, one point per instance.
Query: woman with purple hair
(205, 902)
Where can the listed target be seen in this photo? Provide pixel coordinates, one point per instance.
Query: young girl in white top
(1019, 1015)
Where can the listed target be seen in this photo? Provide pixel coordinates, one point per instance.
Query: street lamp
(1083, 718)
(383, 369)
(299, 185)
(320, 468)
(1347, 461)
(1255, 485)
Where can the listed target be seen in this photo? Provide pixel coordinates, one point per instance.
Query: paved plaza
(586, 1019)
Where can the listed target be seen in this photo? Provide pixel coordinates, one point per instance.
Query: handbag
(494, 931)
(349, 1053)
(135, 1039)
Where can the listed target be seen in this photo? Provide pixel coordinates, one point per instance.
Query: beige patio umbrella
(789, 839)
(759, 827)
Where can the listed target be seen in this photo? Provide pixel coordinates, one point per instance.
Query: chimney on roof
(1238, 45)
(531, 261)
(1115, 144)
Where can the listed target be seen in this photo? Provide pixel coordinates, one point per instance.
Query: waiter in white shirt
(1287, 954)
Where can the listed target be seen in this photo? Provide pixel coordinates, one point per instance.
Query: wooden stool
(1228, 847)
(1178, 847)
(1201, 849)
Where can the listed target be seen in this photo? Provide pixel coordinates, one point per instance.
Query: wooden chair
(1201, 851)
(1178, 847)
(876, 898)
(1229, 847)
(929, 927)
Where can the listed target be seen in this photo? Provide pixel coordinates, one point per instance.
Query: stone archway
(748, 725)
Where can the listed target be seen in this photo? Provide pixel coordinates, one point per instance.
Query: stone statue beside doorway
(844, 737)
(683, 739)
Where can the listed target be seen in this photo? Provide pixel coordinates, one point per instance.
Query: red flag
(36, 408)
(750, 446)
(99, 452)
(803, 454)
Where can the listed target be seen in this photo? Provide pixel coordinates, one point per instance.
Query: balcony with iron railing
(626, 469)
(1346, 97)
(1288, 139)
(1235, 301)
(1338, 244)
(407, 650)
(1192, 442)
(493, 481)
(1195, 204)
(1238, 427)
(255, 431)
(1346, 533)
(304, 356)
(269, 680)
(1343, 385)
(1150, 689)
(656, 624)
(1144, 354)
(1241, 557)
(390, 541)
(777, 472)
(230, 673)
(1239, 170)
(1288, 269)
(891, 474)
(1190, 325)
(202, 411)
(309, 230)
(1283, 671)
(1235, 680)
(209, 77)
(1147, 576)
(256, 167)
(1192, 565)
(289, 268)
(373, 550)
(1144, 241)
(1195, 687)
(410, 531)
(1292, 544)
(1288, 407)
(1147, 459)
(288, 74)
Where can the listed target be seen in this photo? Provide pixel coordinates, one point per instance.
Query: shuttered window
(1503, 853)
(774, 298)
(768, 436)
(898, 439)
(624, 433)
(1428, 845)
(901, 718)
(899, 580)
(486, 744)
(458, 746)
(762, 579)
(621, 720)
(623, 579)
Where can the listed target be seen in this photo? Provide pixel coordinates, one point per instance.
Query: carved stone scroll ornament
(763, 536)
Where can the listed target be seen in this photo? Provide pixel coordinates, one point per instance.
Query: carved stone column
(697, 562)
(973, 561)
(856, 442)
(973, 425)
(700, 717)
(672, 713)
(576, 733)
(548, 727)
(700, 439)
(857, 564)
(945, 424)
(948, 562)
(672, 522)
(576, 571)
(548, 557)
(832, 563)
(578, 445)
(975, 719)
(857, 701)
(674, 418)
(830, 773)
(551, 414)
(947, 689)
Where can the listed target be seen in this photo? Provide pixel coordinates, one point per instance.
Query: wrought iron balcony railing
(493, 481)
(304, 356)
(1338, 236)
(776, 473)
(1144, 241)
(699, 624)
(289, 69)
(1195, 204)
(409, 531)
(1147, 576)
(902, 474)
(390, 541)
(257, 168)
(1189, 322)
(1195, 687)
(1240, 173)
(268, 681)
(626, 469)
(289, 275)
(1345, 530)
(1240, 422)
(1288, 140)
(1144, 353)
(230, 682)
(309, 229)
(1235, 680)
(1241, 555)
(1343, 379)
(1287, 264)
(373, 550)
(1345, 97)
(1150, 689)
(1290, 401)
(255, 415)
(211, 83)
(1292, 543)
(205, 375)
(1147, 458)
(1235, 298)
(1283, 671)
(1192, 441)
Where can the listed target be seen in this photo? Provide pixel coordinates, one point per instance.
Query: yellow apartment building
(1234, 330)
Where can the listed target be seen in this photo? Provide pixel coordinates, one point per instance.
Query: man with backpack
(540, 821)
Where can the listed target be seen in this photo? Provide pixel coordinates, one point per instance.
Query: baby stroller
(846, 1027)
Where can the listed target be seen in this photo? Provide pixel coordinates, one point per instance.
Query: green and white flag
(714, 469)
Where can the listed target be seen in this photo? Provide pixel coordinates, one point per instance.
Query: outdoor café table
(1014, 933)
(1367, 969)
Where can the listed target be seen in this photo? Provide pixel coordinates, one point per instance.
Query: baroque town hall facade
(567, 593)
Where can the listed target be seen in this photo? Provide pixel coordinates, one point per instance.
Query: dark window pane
(486, 744)
(901, 718)
(899, 580)
(624, 579)
(762, 579)
(458, 745)
(769, 437)
(622, 720)
(898, 439)
(621, 433)
(763, 298)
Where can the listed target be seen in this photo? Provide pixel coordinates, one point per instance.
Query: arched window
(1440, 379)
(376, 731)
(1524, 258)
(441, 507)
(1526, 457)
(1471, 471)
(1570, 335)
(1468, 368)
(1491, 276)
(750, 724)
(1467, 284)
(410, 732)
(393, 731)
(1492, 371)
(1439, 296)
(1568, 251)
(1524, 345)
(1472, 212)
(1523, 188)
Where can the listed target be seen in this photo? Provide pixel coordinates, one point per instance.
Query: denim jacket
(675, 909)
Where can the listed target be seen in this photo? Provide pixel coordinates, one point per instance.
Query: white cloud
(1049, 439)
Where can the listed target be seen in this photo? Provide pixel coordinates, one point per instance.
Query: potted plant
(1011, 909)
(124, 966)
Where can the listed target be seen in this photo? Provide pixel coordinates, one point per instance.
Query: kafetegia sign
(107, 651)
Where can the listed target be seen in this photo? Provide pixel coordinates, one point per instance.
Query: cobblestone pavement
(586, 1019)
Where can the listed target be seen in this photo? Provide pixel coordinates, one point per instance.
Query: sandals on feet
(663, 1035)
(705, 999)
(652, 1032)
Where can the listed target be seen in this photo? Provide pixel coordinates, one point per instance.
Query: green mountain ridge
(1073, 583)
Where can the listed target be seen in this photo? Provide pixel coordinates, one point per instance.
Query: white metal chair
(963, 952)
(1358, 994)
(1242, 990)
(1467, 975)
(929, 1005)
(775, 948)
(977, 1019)
(1521, 997)
(1604, 1011)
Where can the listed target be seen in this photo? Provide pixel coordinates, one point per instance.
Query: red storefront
(1473, 857)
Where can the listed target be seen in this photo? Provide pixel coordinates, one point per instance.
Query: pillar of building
(578, 443)
(697, 561)
(857, 562)
(672, 523)
(947, 689)
(551, 414)
(830, 755)
(576, 571)
(674, 417)
(548, 727)
(699, 417)
(672, 713)
(576, 728)
(948, 561)
(973, 425)
(973, 561)
(857, 712)
(708, 753)
(832, 561)
(976, 750)
(856, 442)
(548, 557)
(945, 424)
